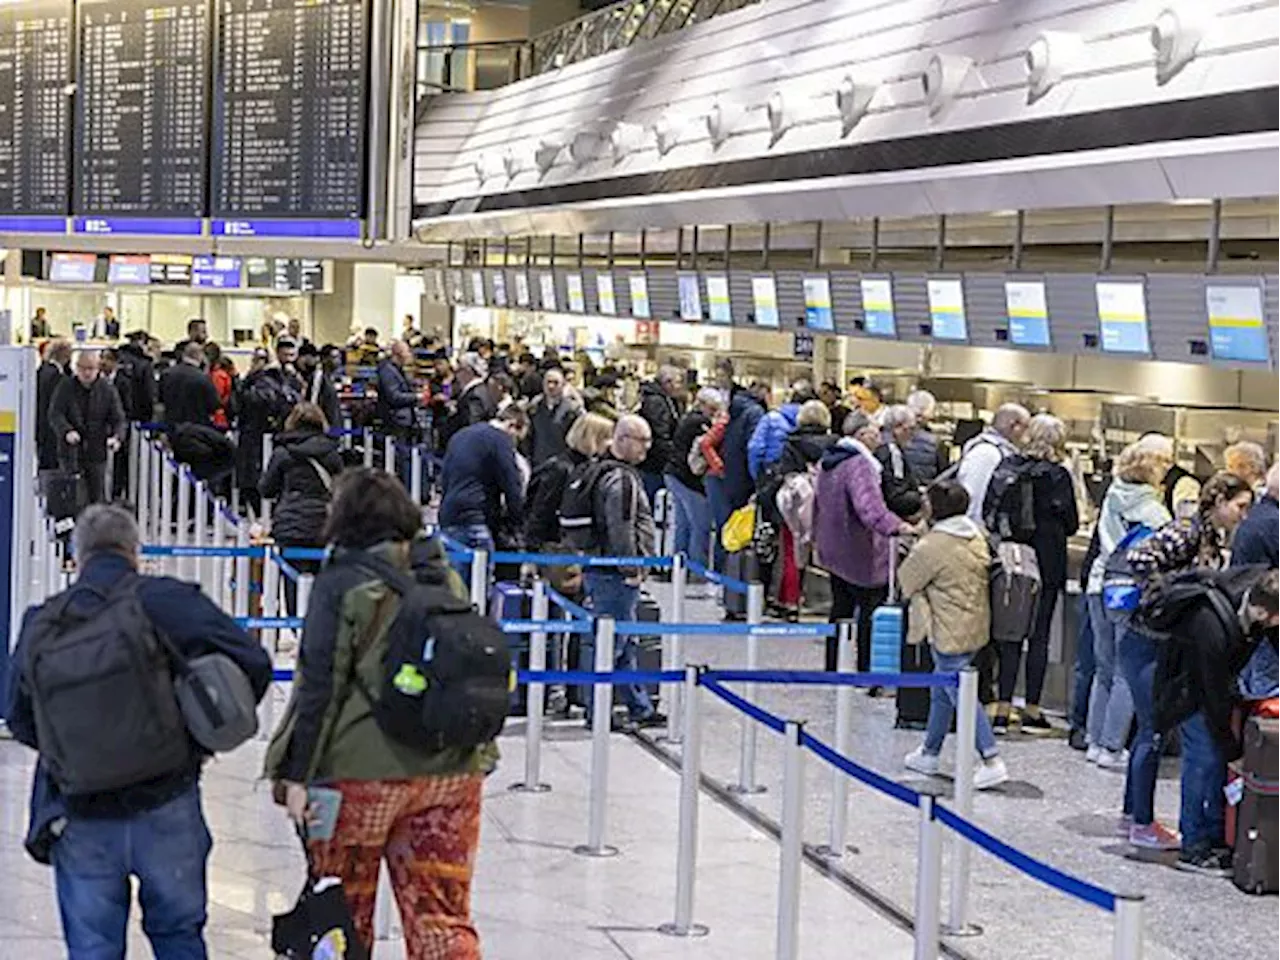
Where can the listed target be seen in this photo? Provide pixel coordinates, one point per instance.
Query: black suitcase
(62, 494)
(648, 647)
(742, 565)
(913, 702)
(1255, 861)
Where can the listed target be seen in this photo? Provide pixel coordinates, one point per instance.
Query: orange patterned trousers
(428, 829)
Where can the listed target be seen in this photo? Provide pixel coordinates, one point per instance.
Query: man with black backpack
(96, 689)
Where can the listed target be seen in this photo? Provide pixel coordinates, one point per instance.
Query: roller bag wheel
(741, 565)
(511, 601)
(1256, 841)
(913, 702)
(648, 647)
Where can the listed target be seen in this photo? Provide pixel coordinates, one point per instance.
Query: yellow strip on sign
(8, 421)
(1025, 313)
(1122, 318)
(1244, 322)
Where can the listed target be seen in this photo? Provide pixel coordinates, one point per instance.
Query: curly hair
(1142, 462)
(370, 506)
(1046, 438)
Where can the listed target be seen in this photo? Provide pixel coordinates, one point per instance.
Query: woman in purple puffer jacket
(852, 527)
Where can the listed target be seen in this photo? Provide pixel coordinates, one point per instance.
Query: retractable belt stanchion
(242, 573)
(687, 848)
(747, 744)
(846, 662)
(535, 696)
(792, 839)
(135, 457)
(268, 444)
(202, 535)
(928, 882)
(141, 489)
(166, 505)
(480, 579)
(389, 454)
(415, 474)
(346, 433)
(221, 569)
(966, 759)
(672, 655)
(602, 717)
(1127, 940)
(183, 538)
(367, 436)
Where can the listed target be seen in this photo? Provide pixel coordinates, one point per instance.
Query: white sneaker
(921, 762)
(1093, 753)
(1113, 760)
(990, 773)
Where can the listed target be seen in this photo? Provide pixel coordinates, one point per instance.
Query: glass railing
(484, 66)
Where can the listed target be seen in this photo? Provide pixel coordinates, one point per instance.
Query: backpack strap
(325, 477)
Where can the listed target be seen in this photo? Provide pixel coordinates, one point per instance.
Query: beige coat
(947, 579)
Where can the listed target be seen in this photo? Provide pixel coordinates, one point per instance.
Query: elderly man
(551, 414)
(1248, 461)
(984, 452)
(661, 411)
(898, 479)
(88, 421)
(472, 401)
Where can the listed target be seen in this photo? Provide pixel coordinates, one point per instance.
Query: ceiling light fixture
(853, 100)
(1175, 38)
(942, 79)
(1051, 55)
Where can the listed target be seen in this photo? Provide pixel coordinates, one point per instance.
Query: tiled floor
(534, 898)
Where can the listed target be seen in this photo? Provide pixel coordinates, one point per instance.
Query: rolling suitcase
(887, 623)
(1255, 861)
(648, 647)
(740, 565)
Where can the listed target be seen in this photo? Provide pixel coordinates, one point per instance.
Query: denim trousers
(718, 504)
(612, 596)
(693, 520)
(1082, 672)
(1202, 819)
(167, 849)
(475, 536)
(1137, 661)
(1111, 700)
(942, 705)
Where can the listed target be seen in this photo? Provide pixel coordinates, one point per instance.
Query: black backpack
(578, 505)
(542, 500)
(1008, 511)
(274, 395)
(446, 672)
(106, 710)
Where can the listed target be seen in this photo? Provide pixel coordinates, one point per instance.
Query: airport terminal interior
(257, 253)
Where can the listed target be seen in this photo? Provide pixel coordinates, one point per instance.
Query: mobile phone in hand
(323, 805)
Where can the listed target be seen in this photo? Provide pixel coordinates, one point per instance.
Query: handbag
(738, 530)
(319, 927)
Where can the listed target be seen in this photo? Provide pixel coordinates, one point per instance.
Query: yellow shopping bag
(738, 530)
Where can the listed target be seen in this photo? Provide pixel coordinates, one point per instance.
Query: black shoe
(1000, 724)
(654, 719)
(731, 617)
(874, 692)
(1207, 863)
(1037, 724)
(1078, 739)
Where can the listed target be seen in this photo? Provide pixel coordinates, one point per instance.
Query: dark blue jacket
(745, 412)
(194, 625)
(396, 396)
(479, 470)
(1258, 536)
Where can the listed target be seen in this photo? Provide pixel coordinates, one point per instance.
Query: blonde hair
(1247, 460)
(1144, 461)
(814, 413)
(1046, 438)
(590, 434)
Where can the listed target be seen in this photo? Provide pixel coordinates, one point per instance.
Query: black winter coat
(662, 413)
(397, 399)
(188, 395)
(688, 432)
(542, 499)
(474, 405)
(1054, 504)
(139, 371)
(48, 377)
(804, 446)
(301, 495)
(548, 427)
(93, 412)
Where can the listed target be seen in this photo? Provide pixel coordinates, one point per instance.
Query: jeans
(612, 596)
(1111, 700)
(846, 600)
(1082, 673)
(942, 705)
(167, 849)
(1204, 773)
(1137, 661)
(718, 505)
(652, 484)
(1037, 655)
(693, 520)
(474, 536)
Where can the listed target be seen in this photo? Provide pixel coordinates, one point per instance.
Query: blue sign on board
(139, 226)
(303, 229)
(21, 224)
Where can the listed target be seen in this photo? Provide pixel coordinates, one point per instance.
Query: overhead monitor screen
(547, 288)
(719, 308)
(946, 309)
(605, 295)
(877, 307)
(171, 269)
(639, 285)
(574, 292)
(522, 289)
(216, 273)
(690, 297)
(499, 289)
(1028, 313)
(477, 288)
(129, 270)
(72, 267)
(1122, 316)
(817, 304)
(1236, 330)
(764, 296)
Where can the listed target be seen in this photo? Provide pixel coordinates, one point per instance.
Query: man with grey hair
(984, 452)
(898, 479)
(52, 371)
(472, 400)
(187, 393)
(117, 791)
(1248, 461)
(88, 420)
(926, 454)
(661, 409)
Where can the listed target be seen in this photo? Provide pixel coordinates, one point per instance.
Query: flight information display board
(289, 118)
(140, 116)
(35, 111)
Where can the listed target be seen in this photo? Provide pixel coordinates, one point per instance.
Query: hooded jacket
(662, 413)
(946, 576)
(806, 445)
(139, 370)
(851, 522)
(745, 412)
(690, 430)
(301, 495)
(622, 510)
(769, 437)
(1126, 504)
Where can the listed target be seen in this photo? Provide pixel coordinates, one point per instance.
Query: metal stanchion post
(346, 433)
(415, 474)
(382, 905)
(368, 447)
(534, 697)
(928, 882)
(53, 565)
(966, 758)
(747, 752)
(672, 655)
(305, 582)
(846, 662)
(480, 579)
(271, 591)
(687, 849)
(1126, 942)
(268, 444)
(135, 457)
(222, 565)
(602, 709)
(202, 534)
(792, 839)
(183, 538)
(389, 454)
(166, 503)
(242, 573)
(142, 490)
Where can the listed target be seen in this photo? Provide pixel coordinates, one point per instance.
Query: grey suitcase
(1255, 862)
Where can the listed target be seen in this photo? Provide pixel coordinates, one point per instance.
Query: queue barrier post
(53, 565)
(1127, 938)
(221, 579)
(389, 454)
(535, 696)
(166, 504)
(382, 904)
(268, 444)
(346, 433)
(305, 582)
(415, 474)
(928, 882)
(687, 846)
(747, 742)
(480, 579)
(966, 759)
(139, 445)
(367, 449)
(792, 839)
(601, 720)
(202, 535)
(846, 662)
(242, 573)
(672, 655)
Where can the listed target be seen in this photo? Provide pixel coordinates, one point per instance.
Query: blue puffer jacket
(745, 412)
(770, 437)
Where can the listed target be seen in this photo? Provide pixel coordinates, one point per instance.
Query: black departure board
(35, 111)
(289, 113)
(140, 118)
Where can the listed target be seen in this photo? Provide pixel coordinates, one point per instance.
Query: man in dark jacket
(316, 387)
(186, 391)
(138, 369)
(473, 402)
(746, 408)
(397, 400)
(551, 415)
(1257, 539)
(153, 830)
(661, 410)
(51, 373)
(482, 488)
(88, 421)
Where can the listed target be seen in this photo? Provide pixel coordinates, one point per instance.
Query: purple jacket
(852, 525)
